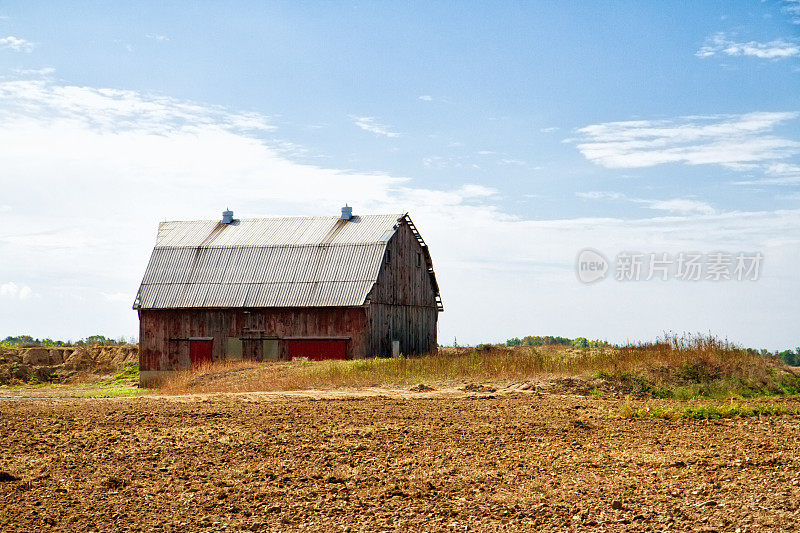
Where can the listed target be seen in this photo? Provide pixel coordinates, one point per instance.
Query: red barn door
(318, 349)
(200, 351)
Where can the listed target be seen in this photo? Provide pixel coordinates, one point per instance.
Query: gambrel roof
(268, 262)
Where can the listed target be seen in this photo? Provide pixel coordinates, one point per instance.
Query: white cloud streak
(16, 44)
(727, 140)
(676, 206)
(777, 174)
(719, 44)
(369, 124)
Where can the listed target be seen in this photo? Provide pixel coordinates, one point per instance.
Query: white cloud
(425, 98)
(156, 37)
(369, 124)
(600, 195)
(719, 43)
(683, 206)
(124, 160)
(16, 44)
(548, 130)
(778, 174)
(14, 291)
(678, 206)
(727, 140)
(44, 72)
(792, 8)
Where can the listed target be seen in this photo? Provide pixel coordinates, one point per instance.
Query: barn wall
(402, 303)
(164, 334)
(413, 326)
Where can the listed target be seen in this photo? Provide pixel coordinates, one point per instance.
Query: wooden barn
(337, 287)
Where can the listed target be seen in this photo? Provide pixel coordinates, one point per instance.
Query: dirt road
(456, 462)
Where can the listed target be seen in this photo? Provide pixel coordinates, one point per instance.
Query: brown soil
(423, 461)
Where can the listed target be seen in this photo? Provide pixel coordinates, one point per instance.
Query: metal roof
(278, 231)
(267, 262)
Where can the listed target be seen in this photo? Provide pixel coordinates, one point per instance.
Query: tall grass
(674, 366)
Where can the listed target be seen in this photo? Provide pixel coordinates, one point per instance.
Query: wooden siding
(164, 334)
(402, 304)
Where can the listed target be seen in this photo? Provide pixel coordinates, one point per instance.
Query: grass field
(675, 367)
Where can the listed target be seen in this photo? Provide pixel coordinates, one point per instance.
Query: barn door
(200, 351)
(318, 349)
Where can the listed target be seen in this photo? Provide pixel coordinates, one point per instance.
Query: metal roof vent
(227, 216)
(347, 213)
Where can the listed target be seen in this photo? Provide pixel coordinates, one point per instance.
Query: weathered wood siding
(402, 303)
(164, 334)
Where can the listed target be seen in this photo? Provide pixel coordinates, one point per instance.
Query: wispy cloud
(728, 140)
(682, 206)
(15, 292)
(425, 98)
(792, 8)
(43, 72)
(600, 195)
(369, 124)
(156, 37)
(549, 129)
(678, 206)
(776, 174)
(719, 43)
(16, 44)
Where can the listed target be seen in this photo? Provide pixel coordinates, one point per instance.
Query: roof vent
(347, 213)
(227, 216)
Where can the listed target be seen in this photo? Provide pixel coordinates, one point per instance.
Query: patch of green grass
(597, 393)
(113, 392)
(130, 373)
(706, 412)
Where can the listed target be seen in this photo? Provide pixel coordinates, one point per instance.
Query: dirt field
(405, 462)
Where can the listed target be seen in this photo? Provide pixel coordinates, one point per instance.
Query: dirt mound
(421, 388)
(475, 387)
(62, 363)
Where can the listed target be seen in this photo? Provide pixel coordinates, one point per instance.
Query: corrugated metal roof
(272, 262)
(278, 231)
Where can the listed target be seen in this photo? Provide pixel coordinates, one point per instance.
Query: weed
(705, 411)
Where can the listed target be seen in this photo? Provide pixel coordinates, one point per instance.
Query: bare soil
(404, 461)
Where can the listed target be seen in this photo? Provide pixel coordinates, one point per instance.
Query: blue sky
(516, 134)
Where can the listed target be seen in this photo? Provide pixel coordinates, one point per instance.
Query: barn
(336, 287)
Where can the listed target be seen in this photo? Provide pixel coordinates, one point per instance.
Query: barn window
(388, 256)
(419, 259)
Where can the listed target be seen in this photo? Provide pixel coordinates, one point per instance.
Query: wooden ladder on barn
(429, 260)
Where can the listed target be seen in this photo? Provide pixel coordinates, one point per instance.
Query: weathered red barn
(280, 288)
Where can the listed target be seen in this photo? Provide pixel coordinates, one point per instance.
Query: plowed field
(415, 463)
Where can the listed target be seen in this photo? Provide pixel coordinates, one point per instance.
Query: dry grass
(673, 367)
